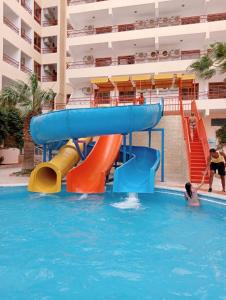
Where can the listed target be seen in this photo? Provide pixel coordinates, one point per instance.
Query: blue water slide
(138, 173)
(84, 122)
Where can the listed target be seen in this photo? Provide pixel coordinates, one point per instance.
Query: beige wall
(176, 167)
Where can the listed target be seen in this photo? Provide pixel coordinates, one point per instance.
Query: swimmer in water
(191, 192)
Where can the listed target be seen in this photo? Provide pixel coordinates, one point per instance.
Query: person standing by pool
(216, 162)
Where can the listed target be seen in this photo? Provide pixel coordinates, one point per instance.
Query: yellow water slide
(47, 176)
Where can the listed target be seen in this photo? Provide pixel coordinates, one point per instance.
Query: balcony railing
(25, 69)
(147, 24)
(49, 23)
(37, 48)
(25, 36)
(49, 50)
(49, 78)
(217, 92)
(151, 57)
(37, 18)
(76, 2)
(10, 60)
(171, 101)
(26, 7)
(11, 25)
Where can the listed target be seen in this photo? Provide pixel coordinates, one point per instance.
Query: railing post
(130, 144)
(44, 153)
(149, 138)
(162, 151)
(163, 155)
(124, 148)
(78, 149)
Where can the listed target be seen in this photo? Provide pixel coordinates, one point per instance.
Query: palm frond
(203, 67)
(218, 52)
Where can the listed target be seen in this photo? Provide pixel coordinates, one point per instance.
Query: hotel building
(120, 49)
(32, 40)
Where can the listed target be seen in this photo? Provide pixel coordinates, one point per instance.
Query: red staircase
(198, 149)
(197, 162)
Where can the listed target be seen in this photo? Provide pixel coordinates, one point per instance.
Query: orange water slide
(90, 176)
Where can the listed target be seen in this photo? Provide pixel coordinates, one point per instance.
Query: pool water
(114, 246)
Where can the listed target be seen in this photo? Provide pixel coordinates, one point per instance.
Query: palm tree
(30, 98)
(203, 68)
(219, 56)
(208, 65)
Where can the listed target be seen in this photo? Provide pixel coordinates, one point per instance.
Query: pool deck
(7, 179)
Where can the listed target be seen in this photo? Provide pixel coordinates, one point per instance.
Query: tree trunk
(29, 147)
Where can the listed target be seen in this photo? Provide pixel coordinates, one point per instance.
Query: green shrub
(11, 128)
(3, 125)
(221, 135)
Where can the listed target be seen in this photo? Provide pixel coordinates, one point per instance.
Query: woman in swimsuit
(192, 124)
(191, 192)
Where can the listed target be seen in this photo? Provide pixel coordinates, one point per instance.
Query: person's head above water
(188, 187)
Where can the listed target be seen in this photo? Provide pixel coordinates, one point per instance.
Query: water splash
(83, 197)
(131, 202)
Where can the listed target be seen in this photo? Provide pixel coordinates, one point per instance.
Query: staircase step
(198, 166)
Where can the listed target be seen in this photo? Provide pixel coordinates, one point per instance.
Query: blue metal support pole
(130, 144)
(50, 154)
(149, 139)
(162, 152)
(44, 153)
(124, 148)
(163, 156)
(78, 149)
(84, 148)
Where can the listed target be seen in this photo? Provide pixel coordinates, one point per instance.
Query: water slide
(47, 176)
(138, 173)
(90, 176)
(77, 123)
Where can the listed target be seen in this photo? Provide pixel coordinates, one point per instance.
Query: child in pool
(191, 192)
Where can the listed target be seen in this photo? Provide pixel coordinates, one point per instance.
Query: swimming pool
(66, 246)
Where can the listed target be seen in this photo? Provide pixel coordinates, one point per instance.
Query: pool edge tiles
(179, 190)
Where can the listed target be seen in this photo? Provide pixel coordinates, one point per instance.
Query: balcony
(26, 6)
(49, 23)
(25, 36)
(50, 16)
(49, 50)
(37, 13)
(77, 2)
(11, 25)
(49, 44)
(25, 69)
(171, 100)
(140, 57)
(25, 63)
(49, 73)
(49, 78)
(37, 42)
(146, 24)
(11, 61)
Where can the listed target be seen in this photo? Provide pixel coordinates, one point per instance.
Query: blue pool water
(107, 247)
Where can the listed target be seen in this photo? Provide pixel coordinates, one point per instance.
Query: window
(218, 122)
